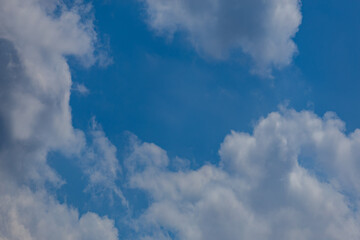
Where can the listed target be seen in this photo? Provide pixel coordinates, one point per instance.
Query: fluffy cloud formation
(261, 29)
(36, 36)
(262, 188)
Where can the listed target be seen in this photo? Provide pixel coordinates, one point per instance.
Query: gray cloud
(261, 29)
(261, 189)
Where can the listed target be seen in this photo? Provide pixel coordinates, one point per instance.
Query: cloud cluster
(295, 177)
(261, 29)
(268, 184)
(36, 36)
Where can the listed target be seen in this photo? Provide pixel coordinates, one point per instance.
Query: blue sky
(163, 92)
(155, 119)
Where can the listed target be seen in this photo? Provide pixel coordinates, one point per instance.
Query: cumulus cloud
(261, 29)
(268, 184)
(36, 36)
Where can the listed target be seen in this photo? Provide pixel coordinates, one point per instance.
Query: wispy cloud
(101, 165)
(80, 88)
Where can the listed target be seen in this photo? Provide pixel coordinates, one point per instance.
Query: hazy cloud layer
(35, 117)
(261, 189)
(261, 29)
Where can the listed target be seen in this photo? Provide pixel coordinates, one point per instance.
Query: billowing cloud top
(261, 29)
(263, 187)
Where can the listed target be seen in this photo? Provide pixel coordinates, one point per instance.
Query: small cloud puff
(80, 88)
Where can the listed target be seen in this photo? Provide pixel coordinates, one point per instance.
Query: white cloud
(261, 188)
(261, 29)
(35, 117)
